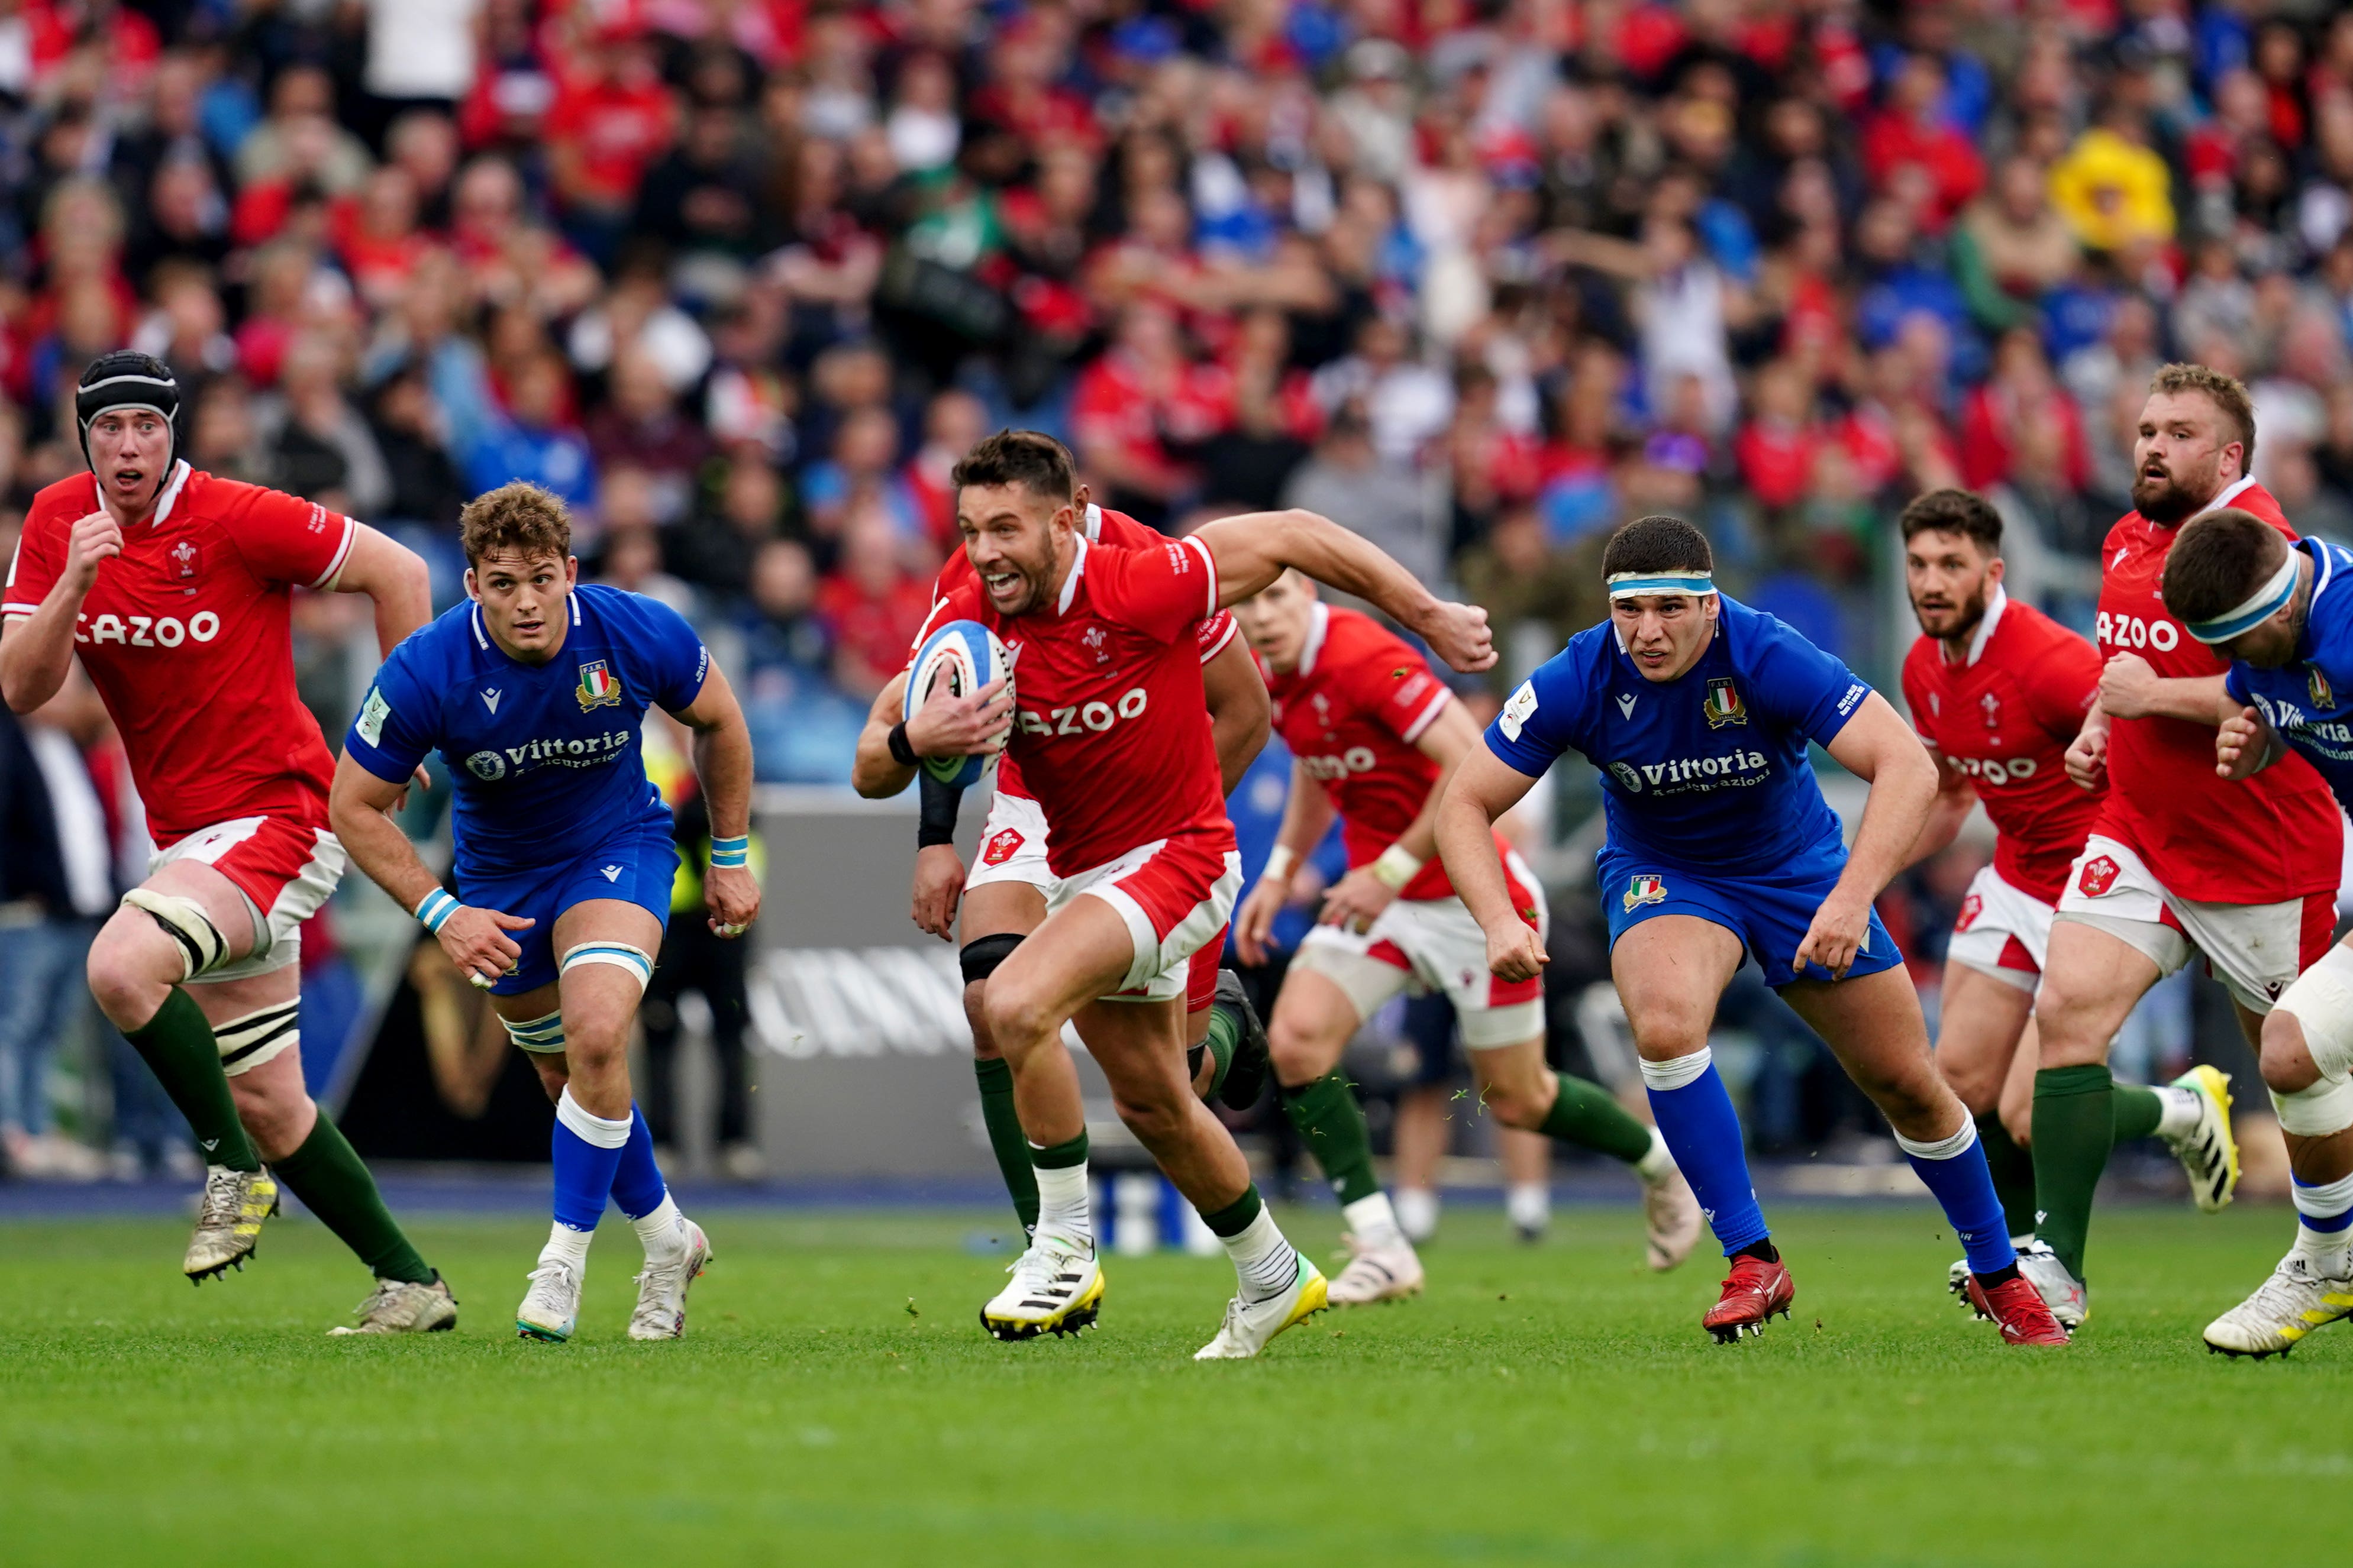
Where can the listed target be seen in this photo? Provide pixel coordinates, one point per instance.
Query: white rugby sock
(1266, 1264)
(2327, 1251)
(1062, 1208)
(1528, 1205)
(1417, 1212)
(663, 1231)
(2179, 1117)
(1373, 1222)
(566, 1245)
(1658, 1164)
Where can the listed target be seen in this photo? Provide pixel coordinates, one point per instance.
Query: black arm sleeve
(940, 805)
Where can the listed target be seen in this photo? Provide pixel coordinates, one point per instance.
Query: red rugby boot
(1753, 1293)
(2019, 1307)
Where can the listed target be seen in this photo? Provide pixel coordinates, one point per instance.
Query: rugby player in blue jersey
(1698, 711)
(534, 691)
(2282, 612)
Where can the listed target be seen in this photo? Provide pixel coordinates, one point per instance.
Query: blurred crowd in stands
(741, 279)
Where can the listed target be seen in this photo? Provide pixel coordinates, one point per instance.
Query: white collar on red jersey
(1319, 623)
(2225, 498)
(1070, 583)
(1093, 528)
(1995, 602)
(169, 493)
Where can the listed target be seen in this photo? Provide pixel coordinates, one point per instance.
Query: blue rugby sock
(1703, 1132)
(637, 1185)
(1955, 1170)
(588, 1151)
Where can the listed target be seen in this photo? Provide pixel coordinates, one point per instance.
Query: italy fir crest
(2323, 697)
(597, 687)
(1644, 888)
(1723, 704)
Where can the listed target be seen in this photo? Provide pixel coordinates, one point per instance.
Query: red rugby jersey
(187, 634)
(1110, 729)
(1351, 714)
(2274, 837)
(1100, 526)
(2004, 716)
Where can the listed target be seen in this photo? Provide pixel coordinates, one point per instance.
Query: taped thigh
(1367, 981)
(619, 954)
(258, 1036)
(542, 1036)
(201, 947)
(2161, 944)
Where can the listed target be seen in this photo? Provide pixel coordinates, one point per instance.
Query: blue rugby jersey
(2309, 699)
(544, 759)
(1707, 770)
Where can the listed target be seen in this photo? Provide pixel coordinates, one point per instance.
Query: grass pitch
(836, 1402)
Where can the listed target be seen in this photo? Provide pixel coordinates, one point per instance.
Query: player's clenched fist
(939, 887)
(94, 539)
(476, 940)
(2128, 687)
(1459, 635)
(731, 894)
(2088, 758)
(947, 725)
(1515, 952)
(2240, 745)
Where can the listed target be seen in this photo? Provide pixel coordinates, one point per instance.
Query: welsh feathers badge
(1723, 704)
(597, 687)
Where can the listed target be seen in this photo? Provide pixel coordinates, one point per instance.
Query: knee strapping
(619, 954)
(2321, 1001)
(202, 946)
(979, 957)
(1677, 1072)
(258, 1036)
(2316, 1112)
(541, 1037)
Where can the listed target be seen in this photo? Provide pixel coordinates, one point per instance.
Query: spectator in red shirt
(952, 422)
(608, 124)
(2020, 391)
(1912, 132)
(872, 605)
(1776, 447)
(1133, 408)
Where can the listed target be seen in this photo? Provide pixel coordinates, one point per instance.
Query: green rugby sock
(1005, 1139)
(178, 1047)
(1589, 1116)
(2013, 1172)
(1332, 1124)
(2139, 1109)
(1225, 1033)
(327, 1174)
(2075, 1126)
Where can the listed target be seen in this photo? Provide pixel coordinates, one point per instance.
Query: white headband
(2260, 607)
(1639, 585)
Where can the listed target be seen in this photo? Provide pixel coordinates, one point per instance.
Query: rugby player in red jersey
(1005, 895)
(1374, 737)
(2177, 859)
(1112, 738)
(1998, 691)
(173, 588)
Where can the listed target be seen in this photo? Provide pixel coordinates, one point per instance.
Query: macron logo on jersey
(1626, 703)
(490, 695)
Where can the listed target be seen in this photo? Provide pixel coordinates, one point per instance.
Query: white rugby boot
(2284, 1308)
(228, 1220)
(1057, 1289)
(1672, 1222)
(2208, 1151)
(1249, 1325)
(404, 1307)
(551, 1308)
(1376, 1271)
(660, 1312)
(2061, 1292)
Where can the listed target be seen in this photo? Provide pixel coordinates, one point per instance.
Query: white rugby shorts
(1013, 846)
(286, 871)
(1423, 945)
(2255, 950)
(2002, 930)
(1175, 895)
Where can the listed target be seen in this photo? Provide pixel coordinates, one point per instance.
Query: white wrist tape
(1396, 866)
(1280, 862)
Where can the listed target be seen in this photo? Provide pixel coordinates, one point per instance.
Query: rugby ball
(967, 655)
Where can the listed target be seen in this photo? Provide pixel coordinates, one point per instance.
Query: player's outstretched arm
(1307, 816)
(394, 576)
(359, 809)
(1483, 789)
(36, 650)
(1878, 747)
(1255, 548)
(1238, 710)
(947, 725)
(723, 761)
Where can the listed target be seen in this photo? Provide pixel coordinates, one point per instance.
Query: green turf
(838, 1403)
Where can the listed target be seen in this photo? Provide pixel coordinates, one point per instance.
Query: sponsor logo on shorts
(1723, 704)
(2097, 877)
(611, 873)
(1002, 845)
(2322, 697)
(487, 766)
(1644, 888)
(1971, 908)
(598, 689)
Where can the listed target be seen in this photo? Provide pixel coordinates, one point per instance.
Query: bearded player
(2178, 859)
(1374, 737)
(1699, 712)
(535, 692)
(1005, 895)
(173, 588)
(2283, 615)
(1111, 736)
(1998, 691)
